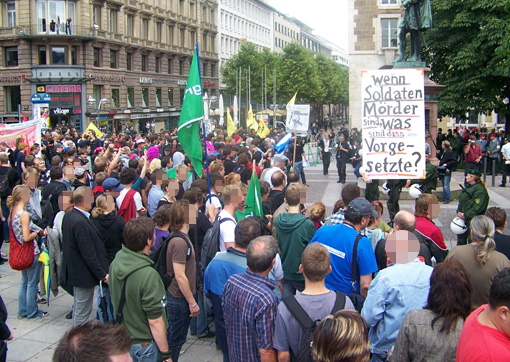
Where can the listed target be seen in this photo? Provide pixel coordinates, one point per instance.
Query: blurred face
(88, 200)
(31, 181)
(402, 247)
(172, 189)
(182, 174)
(64, 202)
(191, 215)
(41, 167)
(110, 205)
(218, 186)
(25, 196)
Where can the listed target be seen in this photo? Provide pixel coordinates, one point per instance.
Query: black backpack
(305, 349)
(5, 189)
(211, 243)
(219, 199)
(158, 255)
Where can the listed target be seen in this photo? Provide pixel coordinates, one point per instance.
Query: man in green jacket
(143, 313)
(293, 232)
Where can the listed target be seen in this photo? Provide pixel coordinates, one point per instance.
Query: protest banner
(393, 124)
(29, 132)
(298, 118)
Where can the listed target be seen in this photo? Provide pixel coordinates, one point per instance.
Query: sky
(328, 18)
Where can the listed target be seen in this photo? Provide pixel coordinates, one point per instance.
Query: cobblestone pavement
(35, 340)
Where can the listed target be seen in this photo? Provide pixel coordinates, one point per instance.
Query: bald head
(260, 253)
(404, 220)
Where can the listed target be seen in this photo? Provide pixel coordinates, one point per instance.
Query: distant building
(285, 32)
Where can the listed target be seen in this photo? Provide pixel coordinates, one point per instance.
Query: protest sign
(29, 132)
(298, 118)
(393, 124)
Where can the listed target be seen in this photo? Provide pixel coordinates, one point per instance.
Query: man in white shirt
(232, 197)
(279, 162)
(127, 177)
(216, 188)
(505, 152)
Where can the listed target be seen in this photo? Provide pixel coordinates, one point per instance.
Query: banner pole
(294, 156)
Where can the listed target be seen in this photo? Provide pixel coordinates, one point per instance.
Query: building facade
(285, 32)
(113, 62)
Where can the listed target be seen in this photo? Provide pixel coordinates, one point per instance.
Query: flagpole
(294, 156)
(203, 131)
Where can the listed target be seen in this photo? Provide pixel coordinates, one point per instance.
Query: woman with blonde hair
(480, 259)
(155, 165)
(317, 212)
(232, 178)
(171, 188)
(425, 210)
(342, 337)
(24, 252)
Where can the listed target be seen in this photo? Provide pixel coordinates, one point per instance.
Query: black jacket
(4, 330)
(111, 228)
(84, 260)
(449, 159)
(51, 192)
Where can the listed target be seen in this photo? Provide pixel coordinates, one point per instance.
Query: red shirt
(473, 153)
(481, 343)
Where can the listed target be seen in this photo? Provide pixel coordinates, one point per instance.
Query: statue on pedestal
(417, 19)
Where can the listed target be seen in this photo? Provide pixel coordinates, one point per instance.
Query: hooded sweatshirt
(294, 232)
(111, 228)
(145, 293)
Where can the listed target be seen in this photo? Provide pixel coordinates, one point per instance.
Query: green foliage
(469, 53)
(315, 79)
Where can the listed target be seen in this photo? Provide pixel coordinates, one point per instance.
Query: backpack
(47, 212)
(158, 255)
(211, 243)
(309, 326)
(219, 199)
(5, 189)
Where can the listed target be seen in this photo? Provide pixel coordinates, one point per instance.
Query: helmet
(458, 226)
(385, 188)
(360, 152)
(415, 191)
(362, 171)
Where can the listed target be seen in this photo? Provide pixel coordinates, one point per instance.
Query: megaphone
(415, 191)
(458, 226)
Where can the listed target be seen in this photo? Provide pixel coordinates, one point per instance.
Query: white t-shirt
(506, 150)
(136, 197)
(269, 174)
(215, 200)
(227, 229)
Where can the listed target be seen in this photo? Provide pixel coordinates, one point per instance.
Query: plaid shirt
(337, 218)
(249, 308)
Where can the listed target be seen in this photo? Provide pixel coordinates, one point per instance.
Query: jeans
(219, 323)
(148, 353)
(378, 358)
(326, 159)
(27, 299)
(298, 168)
(178, 324)
(5, 224)
(446, 187)
(82, 307)
(506, 173)
(109, 306)
(341, 166)
(290, 286)
(356, 170)
(199, 325)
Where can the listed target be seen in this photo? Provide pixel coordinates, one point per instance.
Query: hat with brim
(112, 184)
(362, 207)
(474, 172)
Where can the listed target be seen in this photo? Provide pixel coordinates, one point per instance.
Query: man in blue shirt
(155, 193)
(339, 240)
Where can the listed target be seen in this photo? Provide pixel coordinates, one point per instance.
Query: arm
(115, 160)
(374, 307)
(364, 284)
(183, 282)
(283, 356)
(83, 238)
(158, 331)
(267, 355)
(25, 222)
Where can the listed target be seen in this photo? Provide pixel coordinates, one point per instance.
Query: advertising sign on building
(298, 118)
(393, 124)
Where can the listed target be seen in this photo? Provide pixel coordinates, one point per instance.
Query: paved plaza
(35, 340)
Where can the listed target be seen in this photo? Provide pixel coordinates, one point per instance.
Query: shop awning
(59, 80)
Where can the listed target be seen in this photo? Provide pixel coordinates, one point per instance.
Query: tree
(469, 54)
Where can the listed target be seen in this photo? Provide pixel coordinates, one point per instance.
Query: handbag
(357, 299)
(21, 256)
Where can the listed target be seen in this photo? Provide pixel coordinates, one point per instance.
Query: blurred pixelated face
(88, 200)
(110, 205)
(173, 188)
(191, 215)
(31, 181)
(434, 209)
(218, 186)
(64, 202)
(236, 198)
(302, 196)
(402, 247)
(25, 196)
(69, 173)
(77, 164)
(161, 178)
(182, 174)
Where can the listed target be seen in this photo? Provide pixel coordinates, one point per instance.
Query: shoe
(209, 334)
(41, 300)
(446, 202)
(69, 315)
(338, 181)
(41, 315)
(502, 185)
(4, 255)
(193, 333)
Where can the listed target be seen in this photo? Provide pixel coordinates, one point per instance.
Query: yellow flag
(263, 130)
(231, 127)
(93, 127)
(292, 100)
(251, 123)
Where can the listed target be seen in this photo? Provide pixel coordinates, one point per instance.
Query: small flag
(263, 129)
(253, 199)
(192, 113)
(281, 145)
(292, 100)
(93, 127)
(25, 119)
(231, 127)
(251, 123)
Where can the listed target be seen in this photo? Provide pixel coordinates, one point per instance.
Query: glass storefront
(52, 16)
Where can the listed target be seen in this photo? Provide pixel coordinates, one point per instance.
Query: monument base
(409, 64)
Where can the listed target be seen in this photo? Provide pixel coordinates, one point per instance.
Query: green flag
(192, 113)
(253, 201)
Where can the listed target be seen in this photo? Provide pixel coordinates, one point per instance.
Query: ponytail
(483, 229)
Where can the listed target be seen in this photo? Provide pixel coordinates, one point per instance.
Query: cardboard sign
(298, 118)
(393, 124)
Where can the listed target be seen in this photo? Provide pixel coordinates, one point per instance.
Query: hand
(105, 279)
(408, 183)
(42, 232)
(10, 337)
(110, 146)
(2, 218)
(194, 311)
(461, 215)
(142, 211)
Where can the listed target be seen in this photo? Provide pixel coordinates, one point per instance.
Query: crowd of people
(125, 217)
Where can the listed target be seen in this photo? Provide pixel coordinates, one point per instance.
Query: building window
(191, 39)
(42, 54)
(212, 70)
(130, 97)
(144, 63)
(169, 66)
(192, 10)
(129, 25)
(145, 97)
(97, 91)
(96, 16)
(74, 55)
(158, 97)
(181, 7)
(389, 32)
(170, 97)
(212, 19)
(158, 32)
(129, 61)
(115, 98)
(11, 56)
(170, 34)
(181, 67)
(10, 8)
(204, 42)
(183, 33)
(389, 2)
(158, 64)
(181, 94)
(204, 70)
(145, 28)
(97, 57)
(113, 21)
(113, 59)
(58, 55)
(12, 98)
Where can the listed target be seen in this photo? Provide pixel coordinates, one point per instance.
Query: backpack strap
(118, 315)
(185, 238)
(339, 302)
(298, 312)
(355, 261)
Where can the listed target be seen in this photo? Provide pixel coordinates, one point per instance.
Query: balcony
(53, 30)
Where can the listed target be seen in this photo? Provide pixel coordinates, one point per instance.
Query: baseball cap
(280, 158)
(140, 140)
(79, 171)
(112, 184)
(362, 207)
(59, 145)
(474, 172)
